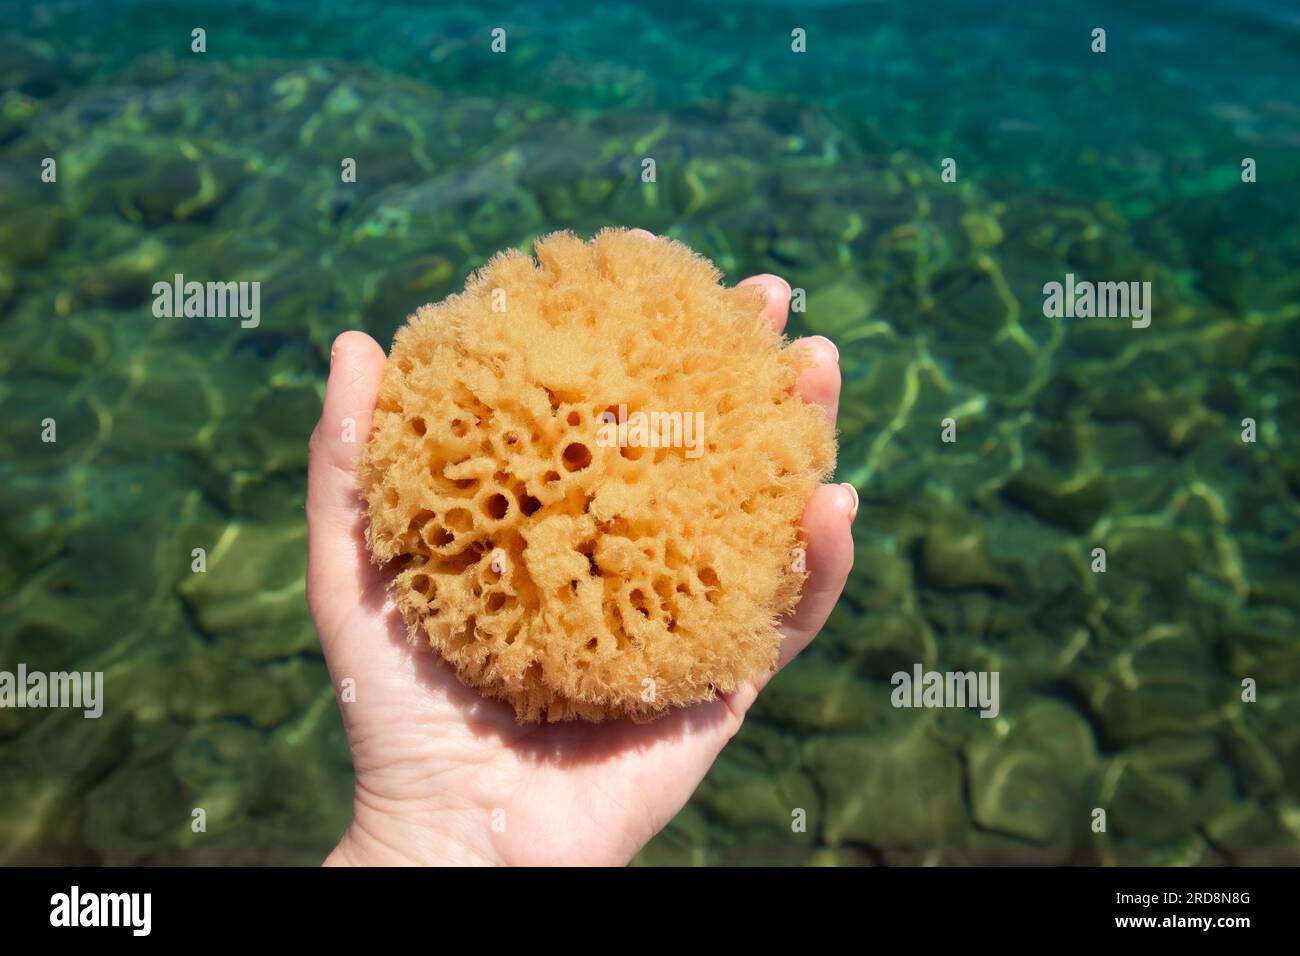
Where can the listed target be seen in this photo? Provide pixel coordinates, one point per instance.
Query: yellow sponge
(589, 470)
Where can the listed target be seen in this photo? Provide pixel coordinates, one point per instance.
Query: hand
(444, 776)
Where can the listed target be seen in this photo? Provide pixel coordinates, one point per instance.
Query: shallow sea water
(1120, 689)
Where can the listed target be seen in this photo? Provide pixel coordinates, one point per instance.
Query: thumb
(335, 516)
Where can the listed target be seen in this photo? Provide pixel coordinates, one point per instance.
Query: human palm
(444, 775)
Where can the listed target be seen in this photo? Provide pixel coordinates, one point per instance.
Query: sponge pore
(588, 471)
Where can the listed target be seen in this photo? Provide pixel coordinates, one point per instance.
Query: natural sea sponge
(563, 548)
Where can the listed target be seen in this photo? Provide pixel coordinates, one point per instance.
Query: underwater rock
(837, 309)
(278, 426)
(1069, 502)
(823, 694)
(1162, 556)
(406, 286)
(954, 557)
(8, 284)
(503, 216)
(162, 379)
(811, 261)
(220, 768)
(285, 792)
(891, 642)
(258, 498)
(292, 286)
(1175, 422)
(1151, 807)
(123, 272)
(982, 228)
(1277, 718)
(702, 184)
(46, 639)
(685, 841)
(74, 346)
(969, 305)
(32, 68)
(263, 792)
(30, 234)
(560, 203)
(1177, 752)
(40, 813)
(1173, 706)
(62, 746)
(1034, 782)
(901, 790)
(16, 110)
(209, 686)
(832, 856)
(762, 799)
(124, 813)
(1257, 767)
(1262, 642)
(155, 189)
(881, 580)
(974, 623)
(210, 749)
(1251, 833)
(252, 593)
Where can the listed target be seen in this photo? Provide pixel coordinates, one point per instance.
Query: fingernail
(765, 283)
(853, 510)
(833, 346)
(785, 285)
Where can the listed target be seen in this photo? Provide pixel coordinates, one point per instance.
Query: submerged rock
(955, 558)
(1035, 780)
(252, 595)
(1073, 503)
(903, 790)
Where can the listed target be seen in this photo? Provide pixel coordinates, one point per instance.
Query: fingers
(828, 518)
(333, 508)
(820, 384)
(776, 294)
(356, 364)
(828, 530)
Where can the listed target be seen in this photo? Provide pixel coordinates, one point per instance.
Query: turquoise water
(1120, 690)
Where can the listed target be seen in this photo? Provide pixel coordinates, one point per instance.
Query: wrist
(402, 837)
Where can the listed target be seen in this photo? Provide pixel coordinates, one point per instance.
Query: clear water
(1120, 690)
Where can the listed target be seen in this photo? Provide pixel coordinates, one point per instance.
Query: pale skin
(445, 777)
